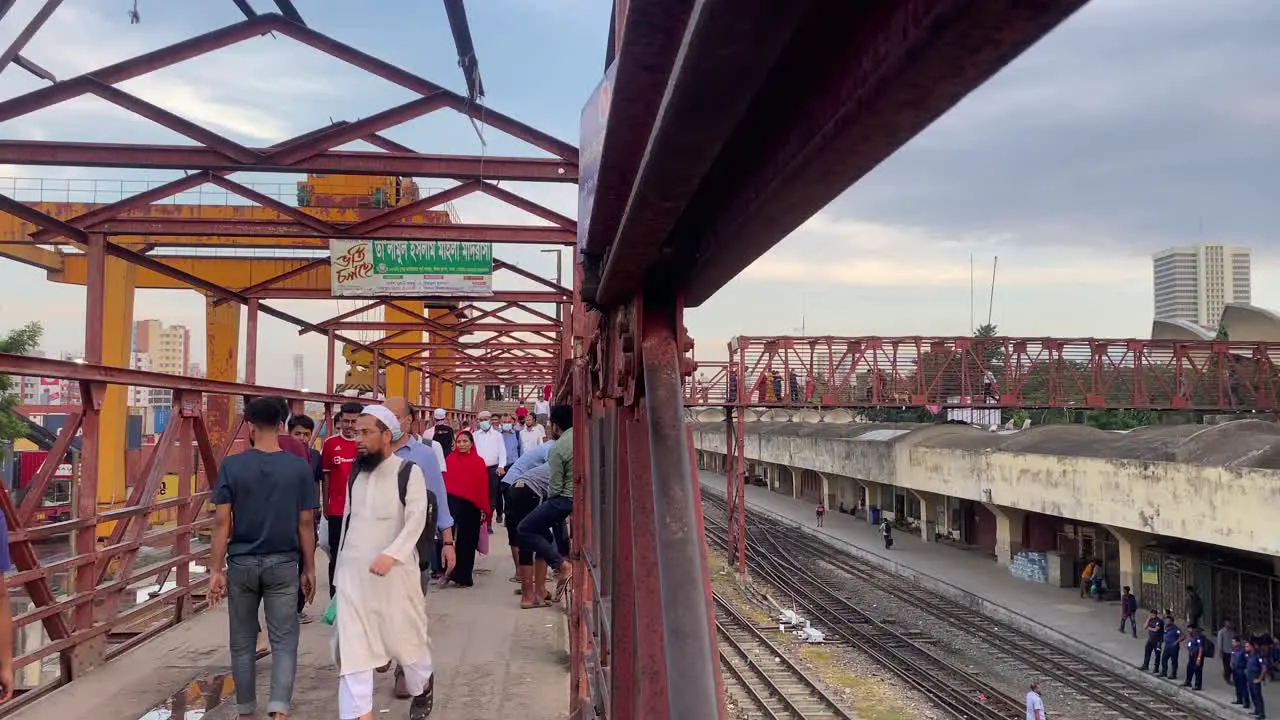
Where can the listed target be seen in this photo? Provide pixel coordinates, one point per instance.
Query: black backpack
(427, 540)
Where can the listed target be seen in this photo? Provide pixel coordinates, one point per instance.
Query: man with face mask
(493, 450)
(381, 612)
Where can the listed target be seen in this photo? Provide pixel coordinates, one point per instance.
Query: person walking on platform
(1128, 610)
(490, 446)
(381, 612)
(820, 511)
(1195, 660)
(264, 499)
(466, 478)
(1173, 637)
(441, 432)
(336, 456)
(886, 532)
(1238, 658)
(1225, 634)
(1155, 638)
(1255, 668)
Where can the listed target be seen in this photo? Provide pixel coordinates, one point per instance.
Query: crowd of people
(395, 511)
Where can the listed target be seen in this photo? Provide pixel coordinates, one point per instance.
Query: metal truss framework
(998, 373)
(719, 128)
(503, 338)
(215, 156)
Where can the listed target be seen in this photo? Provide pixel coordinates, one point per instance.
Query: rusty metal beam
(525, 296)
(346, 162)
(457, 14)
(41, 17)
(289, 11)
(246, 8)
(208, 227)
(411, 326)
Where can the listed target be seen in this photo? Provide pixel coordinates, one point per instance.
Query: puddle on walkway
(195, 700)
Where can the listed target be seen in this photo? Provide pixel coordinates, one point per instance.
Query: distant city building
(168, 345)
(1193, 283)
(299, 376)
(195, 370)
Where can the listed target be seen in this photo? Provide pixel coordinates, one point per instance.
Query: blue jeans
(270, 580)
(536, 526)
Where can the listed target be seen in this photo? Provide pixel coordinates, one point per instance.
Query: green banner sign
(365, 268)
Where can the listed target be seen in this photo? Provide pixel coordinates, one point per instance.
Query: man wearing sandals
(381, 613)
(526, 485)
(558, 505)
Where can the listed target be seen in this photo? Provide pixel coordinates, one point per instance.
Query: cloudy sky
(1137, 125)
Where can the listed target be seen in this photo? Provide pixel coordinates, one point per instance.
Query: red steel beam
(344, 162)
(411, 326)
(208, 227)
(41, 17)
(524, 296)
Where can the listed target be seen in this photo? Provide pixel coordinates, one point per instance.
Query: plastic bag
(323, 542)
(331, 613)
(483, 546)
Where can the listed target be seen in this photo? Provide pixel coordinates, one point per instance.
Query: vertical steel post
(251, 343)
(740, 459)
(377, 373)
(329, 365)
(689, 644)
(188, 407)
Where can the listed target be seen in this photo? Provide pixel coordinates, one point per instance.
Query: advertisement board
(367, 268)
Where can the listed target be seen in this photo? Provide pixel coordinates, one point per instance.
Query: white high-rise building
(299, 376)
(1194, 283)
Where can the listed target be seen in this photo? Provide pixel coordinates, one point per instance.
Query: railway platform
(1084, 627)
(493, 660)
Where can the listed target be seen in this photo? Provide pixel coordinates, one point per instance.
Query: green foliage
(986, 330)
(1222, 332)
(16, 342)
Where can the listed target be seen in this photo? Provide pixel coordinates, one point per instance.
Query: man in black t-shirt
(264, 530)
(442, 433)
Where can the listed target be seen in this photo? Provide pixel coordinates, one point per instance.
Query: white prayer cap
(484, 415)
(387, 417)
(440, 414)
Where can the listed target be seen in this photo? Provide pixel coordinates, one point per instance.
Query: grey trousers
(270, 581)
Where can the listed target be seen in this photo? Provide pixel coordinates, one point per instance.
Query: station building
(1162, 507)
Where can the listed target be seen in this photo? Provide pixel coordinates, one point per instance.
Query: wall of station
(1227, 506)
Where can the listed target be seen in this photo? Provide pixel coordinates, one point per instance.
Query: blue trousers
(1255, 694)
(535, 529)
(1242, 687)
(1169, 662)
(270, 581)
(1195, 673)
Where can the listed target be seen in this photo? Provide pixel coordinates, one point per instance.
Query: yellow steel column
(412, 309)
(222, 362)
(442, 392)
(117, 344)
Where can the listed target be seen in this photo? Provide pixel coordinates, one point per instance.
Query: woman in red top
(467, 483)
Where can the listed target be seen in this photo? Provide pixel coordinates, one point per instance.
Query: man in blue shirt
(6, 617)
(510, 439)
(1173, 637)
(1238, 659)
(1195, 660)
(1255, 667)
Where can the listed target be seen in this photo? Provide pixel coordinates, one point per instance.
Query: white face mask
(484, 424)
(506, 426)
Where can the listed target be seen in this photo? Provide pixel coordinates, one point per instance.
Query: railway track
(760, 678)
(1111, 695)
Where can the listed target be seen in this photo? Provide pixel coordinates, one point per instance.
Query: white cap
(387, 417)
(439, 413)
(484, 415)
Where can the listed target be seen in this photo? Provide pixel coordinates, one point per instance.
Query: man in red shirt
(336, 457)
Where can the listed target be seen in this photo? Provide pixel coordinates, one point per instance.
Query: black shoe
(420, 706)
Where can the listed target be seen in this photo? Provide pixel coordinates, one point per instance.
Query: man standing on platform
(381, 611)
(491, 448)
(336, 457)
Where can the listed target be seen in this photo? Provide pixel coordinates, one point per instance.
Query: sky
(1136, 125)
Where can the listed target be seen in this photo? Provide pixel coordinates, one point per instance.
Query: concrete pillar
(1009, 522)
(795, 481)
(1130, 544)
(875, 496)
(931, 505)
(826, 491)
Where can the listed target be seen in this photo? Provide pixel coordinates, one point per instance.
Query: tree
(1222, 332)
(16, 342)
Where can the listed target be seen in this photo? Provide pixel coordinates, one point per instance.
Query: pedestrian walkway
(1084, 627)
(493, 660)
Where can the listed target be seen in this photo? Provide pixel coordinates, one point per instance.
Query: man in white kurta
(381, 614)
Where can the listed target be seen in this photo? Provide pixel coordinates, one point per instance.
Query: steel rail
(729, 621)
(949, 687)
(1100, 685)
